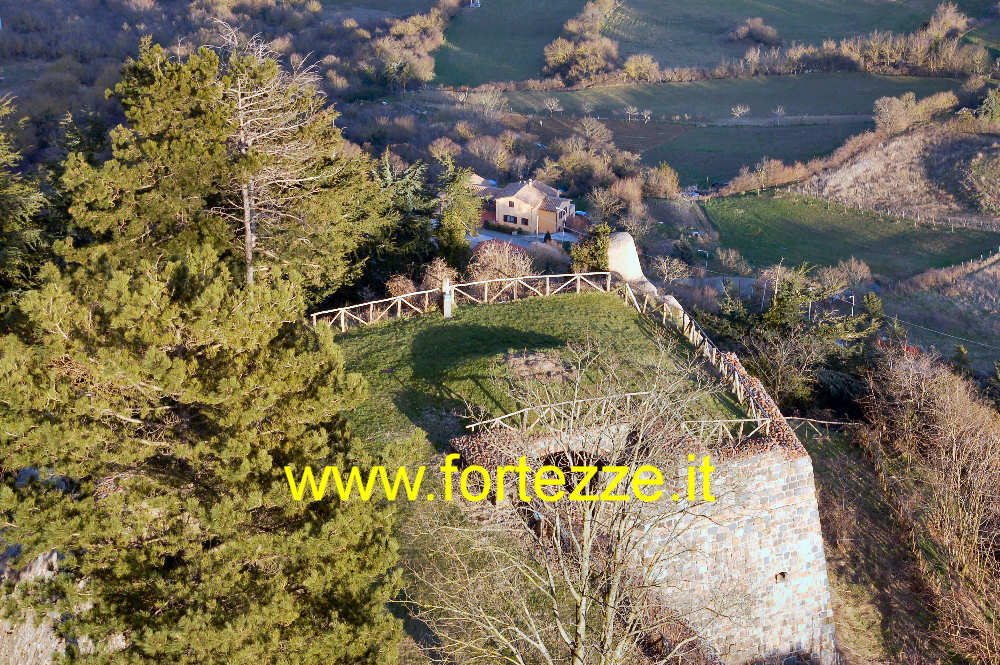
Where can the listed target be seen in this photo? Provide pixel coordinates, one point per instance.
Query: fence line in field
(577, 411)
(506, 289)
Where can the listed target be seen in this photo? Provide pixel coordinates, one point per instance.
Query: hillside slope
(919, 173)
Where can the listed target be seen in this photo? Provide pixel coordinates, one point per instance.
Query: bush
(399, 285)
(894, 115)
(936, 444)
(756, 30)
(732, 260)
(496, 259)
(670, 269)
(435, 273)
(661, 182)
(591, 255)
(982, 181)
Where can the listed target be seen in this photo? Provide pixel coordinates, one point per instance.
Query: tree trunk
(249, 236)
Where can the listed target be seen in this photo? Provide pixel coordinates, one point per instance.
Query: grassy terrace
(688, 33)
(703, 155)
(768, 229)
(501, 41)
(421, 370)
(810, 94)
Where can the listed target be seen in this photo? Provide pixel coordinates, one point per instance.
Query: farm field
(704, 155)
(694, 34)
(400, 7)
(987, 36)
(501, 40)
(795, 229)
(422, 370)
(811, 94)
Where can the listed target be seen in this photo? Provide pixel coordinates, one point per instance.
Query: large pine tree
(157, 395)
(22, 240)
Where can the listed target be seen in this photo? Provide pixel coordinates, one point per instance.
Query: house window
(510, 219)
(524, 221)
(510, 204)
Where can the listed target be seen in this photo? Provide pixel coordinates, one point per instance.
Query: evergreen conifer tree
(459, 216)
(151, 396)
(22, 241)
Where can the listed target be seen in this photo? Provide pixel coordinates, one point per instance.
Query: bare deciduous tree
(575, 582)
(606, 204)
(670, 269)
(739, 110)
(552, 105)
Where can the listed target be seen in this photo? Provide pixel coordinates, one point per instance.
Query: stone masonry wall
(748, 572)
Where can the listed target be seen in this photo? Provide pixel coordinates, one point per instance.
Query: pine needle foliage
(151, 396)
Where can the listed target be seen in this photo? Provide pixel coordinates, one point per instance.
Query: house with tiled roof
(530, 206)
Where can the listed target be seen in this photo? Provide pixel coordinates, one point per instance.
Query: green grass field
(988, 36)
(501, 41)
(421, 371)
(793, 229)
(400, 7)
(693, 34)
(704, 155)
(812, 94)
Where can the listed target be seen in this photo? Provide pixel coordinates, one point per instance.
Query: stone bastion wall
(747, 572)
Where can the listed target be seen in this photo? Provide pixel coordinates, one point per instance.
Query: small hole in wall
(781, 577)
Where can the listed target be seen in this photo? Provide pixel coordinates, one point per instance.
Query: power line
(941, 332)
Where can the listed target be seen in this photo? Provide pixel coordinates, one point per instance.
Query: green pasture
(694, 33)
(423, 371)
(704, 155)
(712, 101)
(795, 229)
(502, 40)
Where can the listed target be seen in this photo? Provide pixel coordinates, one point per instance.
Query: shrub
(497, 259)
(982, 180)
(732, 260)
(661, 182)
(670, 269)
(436, 272)
(894, 115)
(591, 255)
(936, 444)
(399, 285)
(755, 29)
(641, 67)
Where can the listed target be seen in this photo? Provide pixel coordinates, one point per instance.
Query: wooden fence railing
(583, 412)
(747, 394)
(515, 288)
(481, 292)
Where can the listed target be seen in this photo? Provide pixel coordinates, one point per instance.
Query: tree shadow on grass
(447, 354)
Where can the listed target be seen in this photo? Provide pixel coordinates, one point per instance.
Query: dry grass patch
(918, 173)
(958, 301)
(878, 603)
